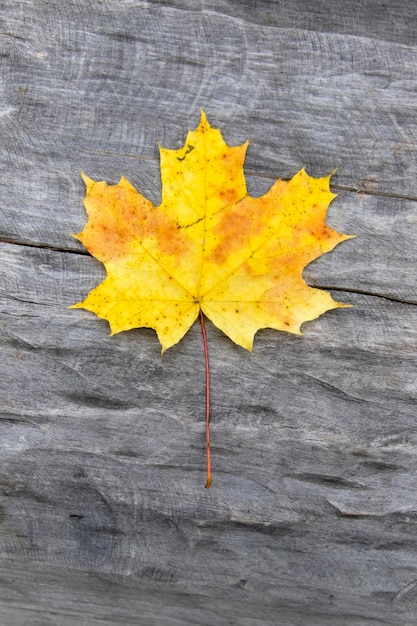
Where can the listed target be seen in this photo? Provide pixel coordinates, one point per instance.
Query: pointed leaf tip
(204, 123)
(89, 182)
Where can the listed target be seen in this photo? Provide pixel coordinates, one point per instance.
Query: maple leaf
(208, 249)
(208, 246)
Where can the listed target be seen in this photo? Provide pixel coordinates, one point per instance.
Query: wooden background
(312, 516)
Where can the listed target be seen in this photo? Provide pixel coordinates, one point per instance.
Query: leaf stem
(206, 357)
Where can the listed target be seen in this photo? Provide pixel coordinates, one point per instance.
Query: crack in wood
(363, 292)
(80, 252)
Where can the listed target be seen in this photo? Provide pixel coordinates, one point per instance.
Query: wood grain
(103, 513)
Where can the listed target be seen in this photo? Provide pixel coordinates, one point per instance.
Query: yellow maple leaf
(208, 246)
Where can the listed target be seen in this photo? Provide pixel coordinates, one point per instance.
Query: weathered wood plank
(64, 597)
(103, 446)
(305, 98)
(103, 514)
(380, 261)
(376, 20)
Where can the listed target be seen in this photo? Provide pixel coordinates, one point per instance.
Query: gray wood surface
(312, 516)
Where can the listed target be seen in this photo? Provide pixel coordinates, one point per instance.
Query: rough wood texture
(312, 516)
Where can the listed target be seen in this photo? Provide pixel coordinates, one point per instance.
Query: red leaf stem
(206, 357)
